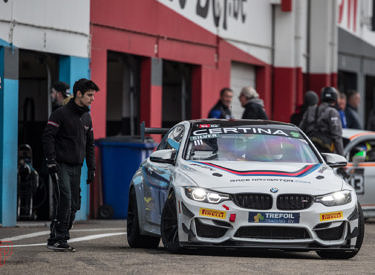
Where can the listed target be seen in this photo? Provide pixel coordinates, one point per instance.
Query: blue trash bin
(120, 158)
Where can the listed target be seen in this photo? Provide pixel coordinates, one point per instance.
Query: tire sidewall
(170, 246)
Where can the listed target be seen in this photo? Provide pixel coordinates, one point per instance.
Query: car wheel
(343, 254)
(135, 239)
(169, 224)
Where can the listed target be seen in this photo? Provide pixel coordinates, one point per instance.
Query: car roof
(355, 133)
(238, 122)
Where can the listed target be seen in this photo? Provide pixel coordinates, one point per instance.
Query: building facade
(41, 41)
(356, 52)
(163, 61)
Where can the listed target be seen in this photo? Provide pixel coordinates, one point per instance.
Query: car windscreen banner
(208, 131)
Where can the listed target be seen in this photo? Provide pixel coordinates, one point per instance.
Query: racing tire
(135, 239)
(343, 254)
(169, 224)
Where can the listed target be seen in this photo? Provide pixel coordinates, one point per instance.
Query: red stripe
(349, 11)
(355, 16)
(341, 9)
(262, 172)
(53, 123)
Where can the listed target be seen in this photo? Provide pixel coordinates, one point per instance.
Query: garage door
(241, 75)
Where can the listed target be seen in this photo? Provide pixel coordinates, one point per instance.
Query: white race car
(243, 183)
(361, 173)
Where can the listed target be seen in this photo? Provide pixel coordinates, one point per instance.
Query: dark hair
(222, 91)
(351, 93)
(61, 87)
(83, 85)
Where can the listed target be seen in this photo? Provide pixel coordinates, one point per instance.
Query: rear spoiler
(144, 131)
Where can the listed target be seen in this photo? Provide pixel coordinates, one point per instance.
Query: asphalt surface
(102, 249)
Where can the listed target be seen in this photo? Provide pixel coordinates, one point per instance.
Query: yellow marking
(147, 200)
(212, 213)
(331, 216)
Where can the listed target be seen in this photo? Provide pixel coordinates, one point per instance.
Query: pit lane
(102, 248)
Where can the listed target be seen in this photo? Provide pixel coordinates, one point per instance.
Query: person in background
(352, 117)
(322, 124)
(68, 140)
(371, 120)
(341, 105)
(222, 107)
(60, 91)
(254, 106)
(310, 99)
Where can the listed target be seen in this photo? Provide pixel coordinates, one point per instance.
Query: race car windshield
(247, 144)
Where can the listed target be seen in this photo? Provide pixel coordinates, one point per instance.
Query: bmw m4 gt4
(243, 183)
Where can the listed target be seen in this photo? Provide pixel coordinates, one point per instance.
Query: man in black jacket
(254, 106)
(222, 107)
(67, 140)
(351, 112)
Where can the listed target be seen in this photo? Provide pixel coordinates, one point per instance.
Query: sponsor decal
(331, 216)
(273, 217)
(244, 130)
(212, 129)
(295, 134)
(304, 171)
(212, 213)
(208, 125)
(269, 180)
(204, 137)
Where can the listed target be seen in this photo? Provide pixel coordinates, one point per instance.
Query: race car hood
(241, 176)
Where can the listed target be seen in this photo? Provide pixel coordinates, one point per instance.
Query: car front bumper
(228, 225)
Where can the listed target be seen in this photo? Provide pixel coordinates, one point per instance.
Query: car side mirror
(359, 157)
(334, 160)
(164, 156)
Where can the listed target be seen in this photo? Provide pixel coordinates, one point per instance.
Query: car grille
(253, 200)
(294, 201)
(272, 232)
(209, 231)
(331, 234)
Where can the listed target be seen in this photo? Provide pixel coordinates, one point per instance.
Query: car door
(157, 177)
(362, 176)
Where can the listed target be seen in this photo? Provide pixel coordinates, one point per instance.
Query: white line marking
(26, 236)
(41, 233)
(74, 240)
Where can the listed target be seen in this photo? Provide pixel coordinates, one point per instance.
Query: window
(172, 139)
(368, 146)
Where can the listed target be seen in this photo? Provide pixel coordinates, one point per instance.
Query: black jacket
(352, 118)
(297, 116)
(324, 121)
(220, 111)
(254, 110)
(68, 136)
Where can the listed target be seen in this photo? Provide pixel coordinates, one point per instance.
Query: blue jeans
(66, 201)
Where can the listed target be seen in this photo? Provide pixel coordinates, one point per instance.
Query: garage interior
(37, 73)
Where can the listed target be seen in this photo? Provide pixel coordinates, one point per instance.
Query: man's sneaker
(57, 246)
(71, 249)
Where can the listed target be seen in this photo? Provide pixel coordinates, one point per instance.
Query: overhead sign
(230, 19)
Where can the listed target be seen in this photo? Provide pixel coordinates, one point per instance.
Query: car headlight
(204, 195)
(334, 199)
